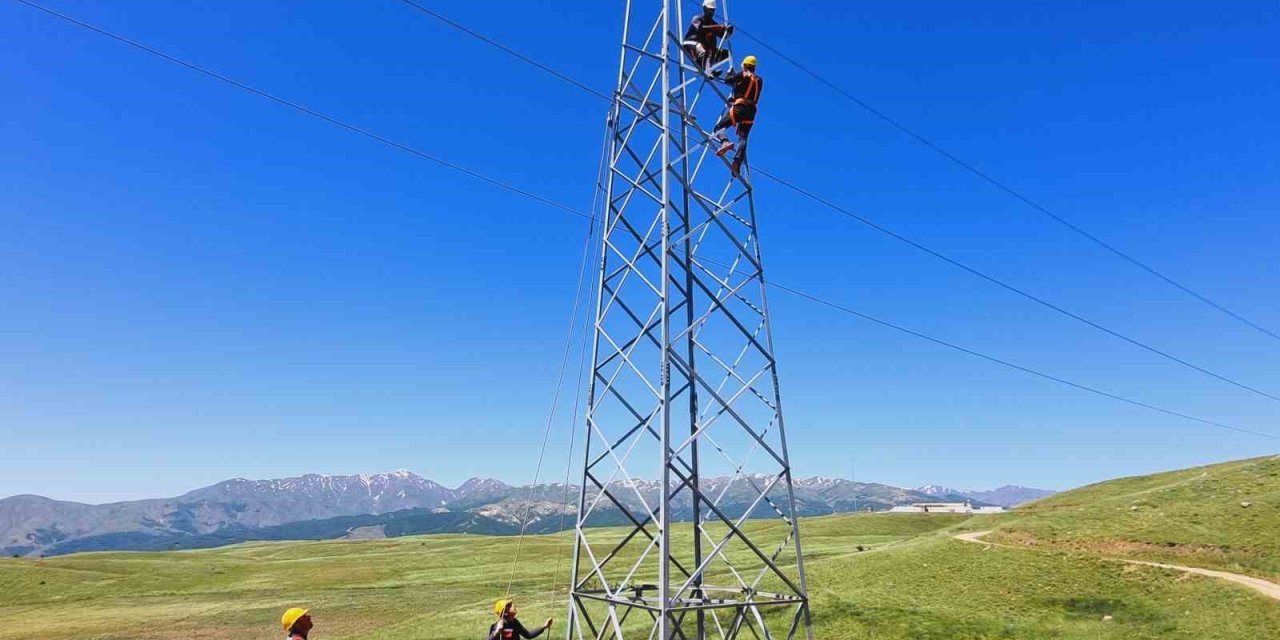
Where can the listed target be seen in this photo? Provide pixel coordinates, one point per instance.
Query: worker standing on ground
(508, 627)
(747, 87)
(701, 42)
(296, 623)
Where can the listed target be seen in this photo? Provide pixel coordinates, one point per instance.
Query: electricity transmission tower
(686, 456)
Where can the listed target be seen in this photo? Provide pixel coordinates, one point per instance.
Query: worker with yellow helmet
(747, 86)
(508, 627)
(296, 623)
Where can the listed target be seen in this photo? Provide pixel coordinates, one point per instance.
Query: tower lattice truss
(687, 519)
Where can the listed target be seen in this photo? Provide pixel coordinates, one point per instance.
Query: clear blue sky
(196, 283)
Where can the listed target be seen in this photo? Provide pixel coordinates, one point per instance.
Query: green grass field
(914, 582)
(1195, 517)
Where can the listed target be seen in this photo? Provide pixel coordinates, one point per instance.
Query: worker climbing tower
(687, 519)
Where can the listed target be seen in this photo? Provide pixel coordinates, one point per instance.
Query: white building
(945, 507)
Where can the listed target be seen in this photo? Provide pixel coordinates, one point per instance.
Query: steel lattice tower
(686, 450)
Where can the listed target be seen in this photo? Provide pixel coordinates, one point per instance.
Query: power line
(1018, 195)
(880, 228)
(1011, 365)
(494, 43)
(555, 397)
(572, 211)
(1004, 285)
(588, 319)
(310, 112)
(457, 26)
(1017, 367)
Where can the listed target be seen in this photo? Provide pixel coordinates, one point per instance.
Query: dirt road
(1269, 589)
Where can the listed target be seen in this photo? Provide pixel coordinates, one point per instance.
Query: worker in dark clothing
(297, 623)
(747, 86)
(508, 627)
(702, 43)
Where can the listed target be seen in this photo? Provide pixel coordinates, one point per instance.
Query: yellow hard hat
(749, 61)
(500, 607)
(290, 617)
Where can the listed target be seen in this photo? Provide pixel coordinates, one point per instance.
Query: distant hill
(1009, 495)
(1219, 516)
(1006, 496)
(314, 506)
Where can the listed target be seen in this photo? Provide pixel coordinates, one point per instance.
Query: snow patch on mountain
(938, 490)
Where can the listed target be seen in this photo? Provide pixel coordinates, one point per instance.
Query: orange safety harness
(750, 97)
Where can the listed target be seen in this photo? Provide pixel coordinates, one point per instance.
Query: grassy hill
(1222, 516)
(911, 581)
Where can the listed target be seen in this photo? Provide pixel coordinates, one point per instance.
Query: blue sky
(200, 284)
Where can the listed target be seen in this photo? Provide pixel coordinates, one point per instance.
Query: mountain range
(313, 507)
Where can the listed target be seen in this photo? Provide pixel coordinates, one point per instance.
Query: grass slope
(914, 583)
(1195, 517)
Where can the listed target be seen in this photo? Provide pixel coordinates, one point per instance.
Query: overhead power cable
(873, 225)
(599, 211)
(1011, 365)
(989, 358)
(307, 110)
(582, 214)
(555, 398)
(988, 178)
(1008, 287)
(498, 45)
